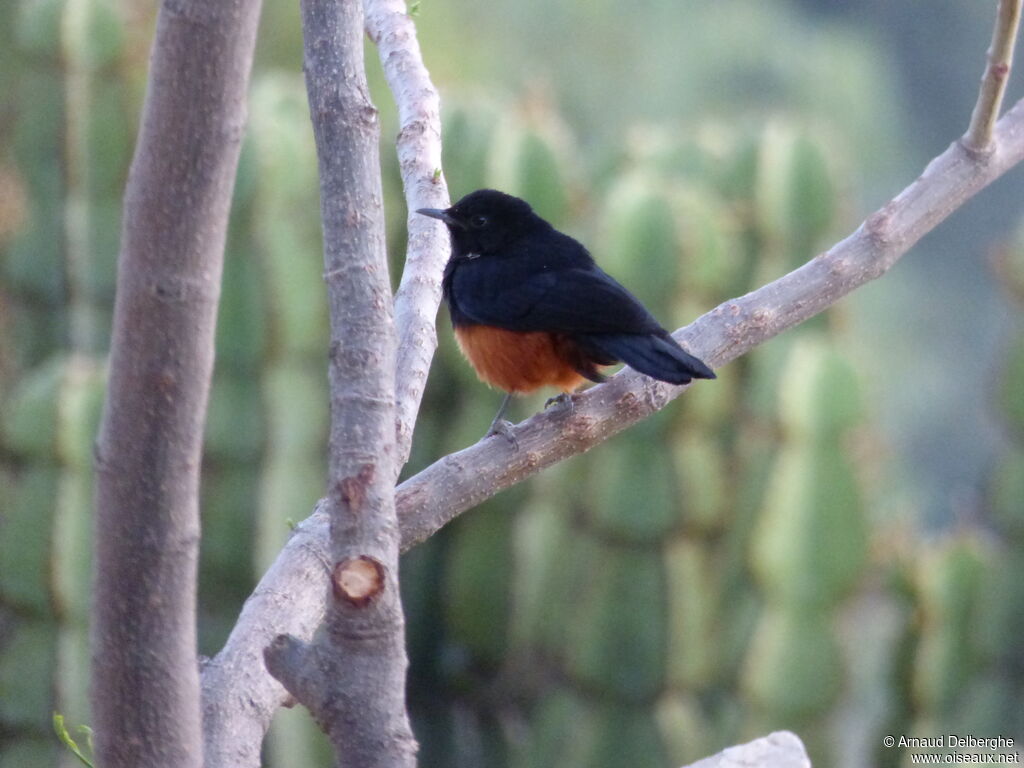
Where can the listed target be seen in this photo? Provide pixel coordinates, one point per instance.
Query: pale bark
(781, 749)
(351, 676)
(419, 160)
(145, 681)
(239, 697)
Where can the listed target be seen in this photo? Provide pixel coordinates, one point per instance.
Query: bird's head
(486, 221)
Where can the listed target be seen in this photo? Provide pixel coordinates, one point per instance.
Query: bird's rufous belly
(519, 361)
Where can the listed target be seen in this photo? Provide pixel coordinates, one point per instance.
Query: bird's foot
(504, 428)
(564, 402)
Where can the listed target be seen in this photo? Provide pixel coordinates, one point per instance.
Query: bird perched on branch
(531, 308)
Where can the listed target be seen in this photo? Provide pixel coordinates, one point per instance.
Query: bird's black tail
(658, 356)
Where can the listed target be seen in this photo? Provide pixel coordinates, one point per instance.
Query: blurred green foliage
(694, 583)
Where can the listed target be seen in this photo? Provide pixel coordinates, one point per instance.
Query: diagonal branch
(419, 157)
(460, 481)
(997, 73)
(239, 697)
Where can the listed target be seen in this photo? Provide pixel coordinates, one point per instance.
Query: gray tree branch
(351, 676)
(457, 482)
(239, 697)
(781, 749)
(462, 480)
(419, 157)
(145, 684)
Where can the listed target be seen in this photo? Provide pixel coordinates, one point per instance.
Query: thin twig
(457, 482)
(993, 82)
(419, 156)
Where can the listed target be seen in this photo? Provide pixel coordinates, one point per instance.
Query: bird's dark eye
(478, 222)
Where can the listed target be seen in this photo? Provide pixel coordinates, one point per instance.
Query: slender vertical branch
(145, 683)
(419, 156)
(993, 82)
(352, 676)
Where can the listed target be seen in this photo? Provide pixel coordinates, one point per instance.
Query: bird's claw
(505, 429)
(563, 401)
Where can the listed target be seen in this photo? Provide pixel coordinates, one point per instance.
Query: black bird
(531, 308)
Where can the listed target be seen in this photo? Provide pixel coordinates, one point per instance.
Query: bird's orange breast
(519, 361)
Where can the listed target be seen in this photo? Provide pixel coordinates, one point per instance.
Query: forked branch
(462, 480)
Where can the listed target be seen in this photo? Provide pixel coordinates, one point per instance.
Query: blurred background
(826, 539)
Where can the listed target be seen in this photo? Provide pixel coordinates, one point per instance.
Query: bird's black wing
(574, 301)
(605, 319)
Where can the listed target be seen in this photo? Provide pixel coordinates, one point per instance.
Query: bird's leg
(563, 401)
(501, 427)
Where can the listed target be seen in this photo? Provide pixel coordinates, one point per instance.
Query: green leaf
(62, 733)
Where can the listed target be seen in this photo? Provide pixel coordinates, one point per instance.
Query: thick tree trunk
(145, 680)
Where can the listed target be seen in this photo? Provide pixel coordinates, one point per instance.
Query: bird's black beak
(443, 215)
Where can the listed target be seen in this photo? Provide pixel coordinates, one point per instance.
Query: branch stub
(358, 580)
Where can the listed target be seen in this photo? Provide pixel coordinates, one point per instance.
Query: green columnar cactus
(296, 337)
(530, 156)
(957, 672)
(71, 136)
(97, 144)
(235, 427)
(958, 666)
(460, 688)
(601, 602)
(810, 545)
(32, 262)
(682, 226)
(656, 516)
(794, 196)
(49, 422)
(475, 560)
(468, 132)
(992, 705)
(282, 330)
(949, 579)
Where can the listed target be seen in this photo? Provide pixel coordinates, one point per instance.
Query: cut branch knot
(358, 580)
